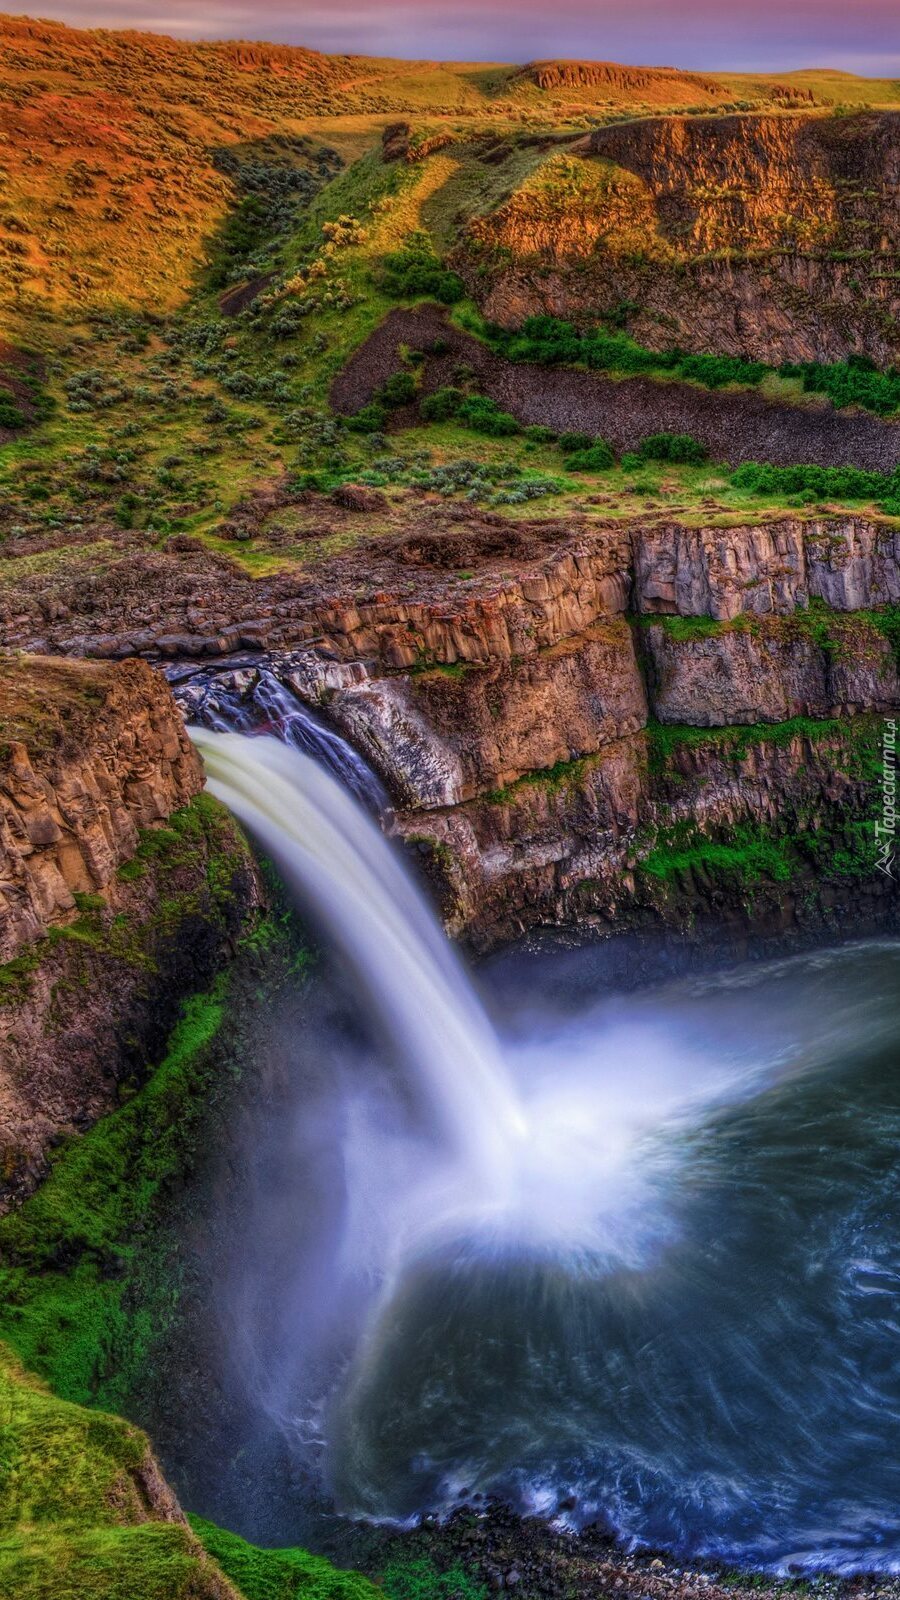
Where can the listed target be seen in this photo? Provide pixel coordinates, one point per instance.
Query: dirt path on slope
(735, 427)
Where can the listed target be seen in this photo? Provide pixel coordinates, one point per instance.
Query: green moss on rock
(70, 1251)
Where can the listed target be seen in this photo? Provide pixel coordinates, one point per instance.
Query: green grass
(837, 633)
(750, 855)
(73, 1521)
(288, 1574)
(755, 855)
(550, 341)
(664, 739)
(417, 1578)
(855, 742)
(294, 1574)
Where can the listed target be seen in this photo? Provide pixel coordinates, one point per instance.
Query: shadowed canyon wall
(122, 889)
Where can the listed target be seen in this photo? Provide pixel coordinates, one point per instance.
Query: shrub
(371, 419)
(854, 382)
(441, 405)
(574, 441)
(10, 415)
(399, 390)
(539, 435)
(598, 457)
(549, 341)
(811, 483)
(416, 270)
(485, 416)
(680, 448)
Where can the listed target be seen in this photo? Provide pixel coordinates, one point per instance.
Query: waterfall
(352, 883)
(226, 702)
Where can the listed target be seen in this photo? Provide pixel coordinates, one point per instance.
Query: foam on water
(641, 1259)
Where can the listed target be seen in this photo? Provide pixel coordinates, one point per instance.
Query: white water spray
(564, 1156)
(582, 1277)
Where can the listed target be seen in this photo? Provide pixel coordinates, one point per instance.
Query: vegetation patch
(415, 271)
(69, 1255)
(855, 742)
(288, 1574)
(806, 485)
(74, 1523)
(551, 341)
(553, 780)
(753, 854)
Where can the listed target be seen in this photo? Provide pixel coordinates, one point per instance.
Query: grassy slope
(184, 418)
(113, 189)
(165, 421)
(74, 1522)
(75, 1253)
(280, 1574)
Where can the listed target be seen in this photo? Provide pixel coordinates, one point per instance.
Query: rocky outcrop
(735, 426)
(849, 563)
(88, 757)
(767, 836)
(456, 733)
(490, 669)
(547, 703)
(762, 181)
(771, 672)
(123, 890)
(768, 236)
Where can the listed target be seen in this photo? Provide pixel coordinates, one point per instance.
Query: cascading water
(639, 1259)
(349, 880)
(254, 700)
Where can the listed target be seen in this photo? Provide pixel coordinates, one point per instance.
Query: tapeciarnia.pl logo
(886, 827)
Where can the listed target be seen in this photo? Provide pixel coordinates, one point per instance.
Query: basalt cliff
(122, 890)
(597, 723)
(770, 237)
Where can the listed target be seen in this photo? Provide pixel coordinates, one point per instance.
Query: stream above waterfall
(627, 1259)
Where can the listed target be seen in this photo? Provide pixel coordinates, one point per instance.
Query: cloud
(858, 35)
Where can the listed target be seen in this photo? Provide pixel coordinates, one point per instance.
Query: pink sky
(856, 35)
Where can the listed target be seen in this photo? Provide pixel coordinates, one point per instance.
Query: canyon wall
(768, 236)
(122, 888)
(659, 721)
(622, 726)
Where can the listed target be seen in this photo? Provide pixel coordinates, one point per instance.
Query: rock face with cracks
(122, 890)
(769, 237)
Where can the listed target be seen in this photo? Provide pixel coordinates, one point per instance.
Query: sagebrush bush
(416, 270)
(598, 457)
(680, 448)
(484, 416)
(442, 405)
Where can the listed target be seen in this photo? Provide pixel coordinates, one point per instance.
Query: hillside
(197, 238)
(113, 177)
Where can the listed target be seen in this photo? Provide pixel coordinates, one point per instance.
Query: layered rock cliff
(623, 724)
(121, 890)
(89, 757)
(768, 236)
